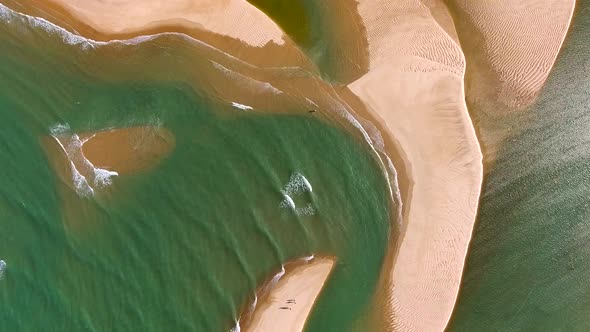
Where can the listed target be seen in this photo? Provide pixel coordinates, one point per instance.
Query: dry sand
(415, 86)
(301, 283)
(518, 40)
(233, 18)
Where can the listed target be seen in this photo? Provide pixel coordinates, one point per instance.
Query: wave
(2, 268)
(80, 166)
(297, 185)
(252, 83)
(241, 106)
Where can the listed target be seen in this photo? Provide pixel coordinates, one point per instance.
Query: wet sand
(286, 305)
(415, 87)
(127, 150)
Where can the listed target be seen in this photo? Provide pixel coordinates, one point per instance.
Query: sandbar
(415, 88)
(286, 305)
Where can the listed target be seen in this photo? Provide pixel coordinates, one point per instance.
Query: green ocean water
(328, 31)
(528, 267)
(181, 246)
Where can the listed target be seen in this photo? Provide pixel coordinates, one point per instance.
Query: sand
(219, 16)
(415, 87)
(518, 40)
(127, 150)
(302, 283)
(87, 164)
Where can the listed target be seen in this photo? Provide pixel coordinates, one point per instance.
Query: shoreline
(285, 54)
(404, 152)
(297, 286)
(504, 82)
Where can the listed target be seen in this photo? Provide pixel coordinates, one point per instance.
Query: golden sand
(518, 40)
(218, 16)
(415, 86)
(288, 303)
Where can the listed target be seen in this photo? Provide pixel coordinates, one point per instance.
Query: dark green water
(529, 262)
(328, 31)
(181, 246)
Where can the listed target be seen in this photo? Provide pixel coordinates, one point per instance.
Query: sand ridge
(288, 302)
(415, 86)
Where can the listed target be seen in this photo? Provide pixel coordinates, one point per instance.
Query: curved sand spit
(519, 40)
(288, 303)
(219, 16)
(415, 85)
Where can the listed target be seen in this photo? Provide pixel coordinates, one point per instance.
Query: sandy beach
(286, 305)
(219, 17)
(518, 42)
(415, 86)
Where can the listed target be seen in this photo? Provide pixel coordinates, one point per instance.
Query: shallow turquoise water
(181, 246)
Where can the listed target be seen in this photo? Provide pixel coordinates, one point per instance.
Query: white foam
(102, 177)
(2, 268)
(277, 277)
(247, 81)
(73, 151)
(59, 129)
(297, 184)
(288, 202)
(308, 210)
(242, 106)
(80, 183)
(236, 328)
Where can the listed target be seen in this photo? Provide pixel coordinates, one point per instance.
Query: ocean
(528, 265)
(183, 243)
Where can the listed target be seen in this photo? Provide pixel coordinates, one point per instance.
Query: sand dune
(289, 302)
(518, 40)
(415, 85)
(218, 16)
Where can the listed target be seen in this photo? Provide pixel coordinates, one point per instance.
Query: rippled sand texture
(518, 40)
(510, 47)
(415, 84)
